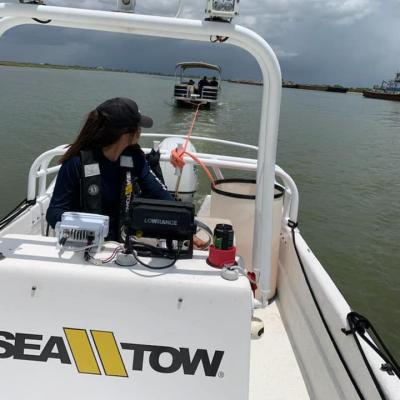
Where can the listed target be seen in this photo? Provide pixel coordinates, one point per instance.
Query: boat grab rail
(203, 139)
(40, 170)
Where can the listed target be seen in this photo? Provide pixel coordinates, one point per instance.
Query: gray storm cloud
(351, 42)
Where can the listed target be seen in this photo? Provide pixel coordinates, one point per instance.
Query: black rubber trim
(242, 196)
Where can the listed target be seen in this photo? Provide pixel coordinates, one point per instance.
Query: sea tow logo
(158, 221)
(162, 359)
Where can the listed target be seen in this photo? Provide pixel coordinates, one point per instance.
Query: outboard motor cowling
(189, 180)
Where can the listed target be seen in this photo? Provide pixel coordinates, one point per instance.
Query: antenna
(126, 5)
(180, 9)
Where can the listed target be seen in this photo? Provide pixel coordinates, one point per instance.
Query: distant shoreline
(285, 84)
(102, 69)
(75, 67)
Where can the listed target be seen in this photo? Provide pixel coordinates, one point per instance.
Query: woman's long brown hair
(94, 136)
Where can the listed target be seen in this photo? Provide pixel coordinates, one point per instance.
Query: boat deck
(274, 372)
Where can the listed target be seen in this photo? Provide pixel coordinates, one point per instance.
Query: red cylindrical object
(221, 258)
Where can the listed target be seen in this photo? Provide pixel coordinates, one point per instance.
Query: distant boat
(245, 82)
(375, 94)
(321, 88)
(337, 89)
(290, 85)
(189, 94)
(388, 90)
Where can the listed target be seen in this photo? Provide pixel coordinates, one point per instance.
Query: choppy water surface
(342, 150)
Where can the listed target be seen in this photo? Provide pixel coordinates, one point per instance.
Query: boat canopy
(186, 65)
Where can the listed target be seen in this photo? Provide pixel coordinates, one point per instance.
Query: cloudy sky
(351, 42)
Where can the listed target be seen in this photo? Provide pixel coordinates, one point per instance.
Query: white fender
(189, 180)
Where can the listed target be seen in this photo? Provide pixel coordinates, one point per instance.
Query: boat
(245, 82)
(289, 85)
(337, 89)
(189, 88)
(269, 323)
(382, 95)
(320, 88)
(387, 90)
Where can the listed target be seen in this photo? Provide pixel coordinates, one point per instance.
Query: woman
(105, 168)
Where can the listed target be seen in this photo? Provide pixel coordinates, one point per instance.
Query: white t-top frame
(23, 14)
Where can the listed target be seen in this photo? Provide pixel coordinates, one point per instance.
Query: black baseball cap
(121, 112)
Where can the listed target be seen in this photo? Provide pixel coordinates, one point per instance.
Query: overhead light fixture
(126, 5)
(223, 10)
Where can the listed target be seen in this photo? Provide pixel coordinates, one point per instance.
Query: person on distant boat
(202, 82)
(214, 82)
(105, 168)
(190, 87)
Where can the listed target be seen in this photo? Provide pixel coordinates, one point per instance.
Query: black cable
(359, 324)
(152, 267)
(138, 246)
(63, 240)
(21, 204)
(293, 226)
(36, 2)
(18, 210)
(47, 21)
(392, 361)
(89, 242)
(160, 252)
(219, 39)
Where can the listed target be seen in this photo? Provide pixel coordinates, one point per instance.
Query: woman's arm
(150, 185)
(66, 194)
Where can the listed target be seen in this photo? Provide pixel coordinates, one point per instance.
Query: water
(342, 150)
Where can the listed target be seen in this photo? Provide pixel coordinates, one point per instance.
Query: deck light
(126, 5)
(222, 9)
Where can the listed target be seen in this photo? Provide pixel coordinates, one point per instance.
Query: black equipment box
(163, 219)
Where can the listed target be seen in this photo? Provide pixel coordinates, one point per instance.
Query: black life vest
(91, 188)
(153, 159)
